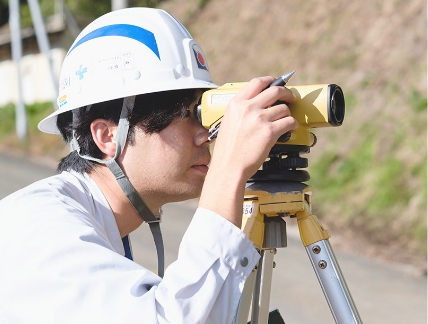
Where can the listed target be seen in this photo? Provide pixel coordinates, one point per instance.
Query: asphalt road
(383, 293)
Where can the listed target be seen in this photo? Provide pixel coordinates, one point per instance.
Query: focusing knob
(272, 164)
(294, 162)
(284, 137)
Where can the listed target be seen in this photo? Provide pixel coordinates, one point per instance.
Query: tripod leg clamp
(311, 230)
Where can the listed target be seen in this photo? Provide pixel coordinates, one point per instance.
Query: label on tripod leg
(248, 210)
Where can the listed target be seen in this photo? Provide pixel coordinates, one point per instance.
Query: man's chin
(192, 193)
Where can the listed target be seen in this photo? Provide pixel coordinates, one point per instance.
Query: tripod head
(284, 163)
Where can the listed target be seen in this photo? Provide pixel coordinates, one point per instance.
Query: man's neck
(126, 216)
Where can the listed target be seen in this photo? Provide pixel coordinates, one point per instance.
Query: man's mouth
(201, 167)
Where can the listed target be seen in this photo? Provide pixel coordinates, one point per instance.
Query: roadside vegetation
(36, 143)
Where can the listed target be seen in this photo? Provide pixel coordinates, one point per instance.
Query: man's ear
(104, 135)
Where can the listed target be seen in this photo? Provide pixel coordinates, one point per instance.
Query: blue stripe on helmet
(139, 34)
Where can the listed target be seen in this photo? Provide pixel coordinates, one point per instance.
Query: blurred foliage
(7, 119)
(83, 10)
(88, 10)
(36, 143)
(35, 113)
(4, 11)
(384, 186)
(417, 100)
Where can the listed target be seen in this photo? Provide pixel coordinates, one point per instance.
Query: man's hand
(249, 129)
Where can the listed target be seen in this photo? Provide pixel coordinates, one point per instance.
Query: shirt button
(244, 262)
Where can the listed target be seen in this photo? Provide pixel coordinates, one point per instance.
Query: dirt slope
(369, 175)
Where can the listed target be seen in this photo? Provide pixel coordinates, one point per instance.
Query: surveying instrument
(278, 191)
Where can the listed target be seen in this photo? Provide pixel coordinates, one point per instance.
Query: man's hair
(152, 113)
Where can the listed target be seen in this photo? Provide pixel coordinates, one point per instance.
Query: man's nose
(201, 137)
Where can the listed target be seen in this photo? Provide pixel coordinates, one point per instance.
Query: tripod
(273, 193)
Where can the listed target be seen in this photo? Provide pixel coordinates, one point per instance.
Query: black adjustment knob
(294, 162)
(272, 164)
(284, 137)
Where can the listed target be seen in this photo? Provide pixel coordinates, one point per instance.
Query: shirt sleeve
(205, 284)
(58, 267)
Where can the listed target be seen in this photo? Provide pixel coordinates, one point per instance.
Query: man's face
(170, 165)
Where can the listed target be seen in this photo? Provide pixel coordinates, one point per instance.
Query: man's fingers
(257, 91)
(280, 118)
(283, 125)
(254, 87)
(270, 96)
(288, 96)
(276, 112)
(279, 112)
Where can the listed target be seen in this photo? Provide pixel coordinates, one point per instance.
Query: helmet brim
(48, 124)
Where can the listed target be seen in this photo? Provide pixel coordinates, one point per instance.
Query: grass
(417, 101)
(7, 120)
(35, 113)
(36, 142)
(373, 193)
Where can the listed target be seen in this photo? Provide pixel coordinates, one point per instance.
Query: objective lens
(336, 112)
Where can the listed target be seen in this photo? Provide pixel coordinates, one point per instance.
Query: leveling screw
(322, 264)
(316, 249)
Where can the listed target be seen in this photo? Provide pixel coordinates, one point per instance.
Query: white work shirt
(62, 261)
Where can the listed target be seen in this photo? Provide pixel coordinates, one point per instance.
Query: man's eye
(192, 112)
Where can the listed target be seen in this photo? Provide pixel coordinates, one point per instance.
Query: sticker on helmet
(62, 101)
(123, 30)
(64, 83)
(81, 72)
(128, 61)
(200, 59)
(113, 62)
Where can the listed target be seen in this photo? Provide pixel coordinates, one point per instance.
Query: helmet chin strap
(123, 181)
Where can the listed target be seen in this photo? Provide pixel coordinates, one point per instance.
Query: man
(128, 88)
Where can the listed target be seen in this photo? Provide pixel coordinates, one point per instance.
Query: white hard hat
(125, 53)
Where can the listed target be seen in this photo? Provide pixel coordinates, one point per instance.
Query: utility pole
(118, 4)
(43, 41)
(15, 31)
(16, 42)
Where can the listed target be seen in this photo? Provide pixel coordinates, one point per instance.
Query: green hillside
(369, 175)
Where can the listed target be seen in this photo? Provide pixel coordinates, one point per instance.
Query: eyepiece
(197, 110)
(336, 108)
